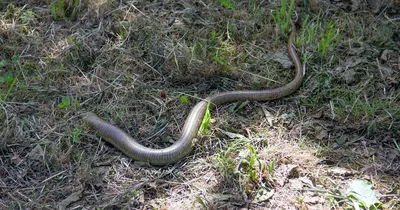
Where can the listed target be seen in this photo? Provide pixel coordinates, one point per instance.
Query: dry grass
(115, 57)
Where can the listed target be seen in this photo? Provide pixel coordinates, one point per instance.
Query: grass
(283, 15)
(142, 66)
(9, 80)
(325, 36)
(64, 9)
(206, 119)
(229, 4)
(241, 166)
(329, 38)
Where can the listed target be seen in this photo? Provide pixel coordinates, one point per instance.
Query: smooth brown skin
(184, 145)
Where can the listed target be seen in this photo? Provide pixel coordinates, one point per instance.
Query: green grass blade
(206, 119)
(53, 10)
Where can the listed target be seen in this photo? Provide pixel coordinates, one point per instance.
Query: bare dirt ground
(131, 62)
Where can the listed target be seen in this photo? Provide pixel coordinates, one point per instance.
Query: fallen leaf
(362, 194)
(320, 133)
(36, 153)
(16, 159)
(317, 115)
(296, 184)
(282, 58)
(268, 115)
(355, 4)
(163, 94)
(285, 172)
(385, 53)
(349, 76)
(233, 135)
(75, 196)
(307, 181)
(353, 62)
(386, 71)
(313, 199)
(357, 49)
(263, 194)
(338, 171)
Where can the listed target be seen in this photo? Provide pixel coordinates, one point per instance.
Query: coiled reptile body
(184, 145)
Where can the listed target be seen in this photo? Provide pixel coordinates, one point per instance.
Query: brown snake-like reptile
(184, 145)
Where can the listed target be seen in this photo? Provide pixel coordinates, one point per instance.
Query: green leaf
(206, 119)
(8, 76)
(65, 102)
(227, 3)
(201, 202)
(252, 150)
(61, 106)
(21, 85)
(218, 60)
(15, 59)
(75, 135)
(362, 194)
(76, 103)
(133, 193)
(2, 80)
(77, 140)
(71, 39)
(184, 100)
(213, 34)
(3, 63)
